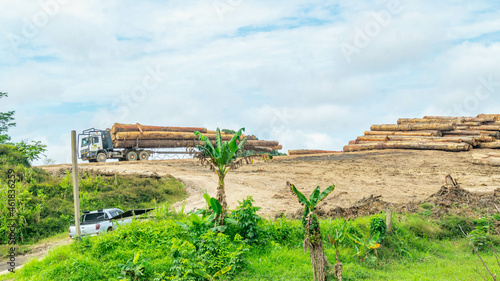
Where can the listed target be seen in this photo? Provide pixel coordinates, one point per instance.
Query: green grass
(406, 254)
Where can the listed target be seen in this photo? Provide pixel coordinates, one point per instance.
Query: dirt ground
(36, 252)
(394, 176)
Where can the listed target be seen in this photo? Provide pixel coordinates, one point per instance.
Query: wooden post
(388, 221)
(76, 191)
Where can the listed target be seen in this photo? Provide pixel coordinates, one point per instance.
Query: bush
(284, 232)
(246, 215)
(450, 226)
(424, 228)
(378, 227)
(10, 155)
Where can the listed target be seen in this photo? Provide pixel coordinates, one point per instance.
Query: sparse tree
(6, 119)
(221, 158)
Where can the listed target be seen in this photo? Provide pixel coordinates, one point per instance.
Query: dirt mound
(449, 199)
(367, 206)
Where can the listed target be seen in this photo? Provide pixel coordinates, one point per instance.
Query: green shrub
(479, 237)
(378, 227)
(247, 218)
(450, 226)
(284, 232)
(10, 155)
(422, 227)
(213, 252)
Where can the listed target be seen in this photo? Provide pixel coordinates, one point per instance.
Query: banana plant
(221, 158)
(208, 219)
(315, 197)
(337, 238)
(313, 240)
(365, 244)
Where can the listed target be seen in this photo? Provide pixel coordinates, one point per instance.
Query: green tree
(31, 151)
(221, 158)
(6, 119)
(310, 222)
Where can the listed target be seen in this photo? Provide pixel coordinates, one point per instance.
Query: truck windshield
(85, 141)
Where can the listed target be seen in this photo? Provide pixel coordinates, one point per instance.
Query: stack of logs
(432, 133)
(142, 136)
(491, 158)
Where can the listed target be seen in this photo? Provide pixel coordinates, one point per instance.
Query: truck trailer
(126, 142)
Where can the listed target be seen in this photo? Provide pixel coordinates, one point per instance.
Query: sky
(310, 74)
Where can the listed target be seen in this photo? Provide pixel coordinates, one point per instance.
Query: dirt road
(397, 175)
(38, 251)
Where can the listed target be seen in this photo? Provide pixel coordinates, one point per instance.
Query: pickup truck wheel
(143, 155)
(109, 229)
(132, 156)
(101, 157)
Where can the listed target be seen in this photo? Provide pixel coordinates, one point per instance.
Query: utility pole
(76, 190)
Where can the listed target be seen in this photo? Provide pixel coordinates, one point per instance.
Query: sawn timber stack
(432, 133)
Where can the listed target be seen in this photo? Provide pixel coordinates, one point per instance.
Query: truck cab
(95, 145)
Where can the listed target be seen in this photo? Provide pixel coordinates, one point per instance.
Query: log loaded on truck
(129, 142)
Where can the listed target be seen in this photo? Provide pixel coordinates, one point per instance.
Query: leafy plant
(313, 240)
(215, 276)
(377, 225)
(337, 238)
(210, 257)
(6, 119)
(247, 220)
(479, 237)
(133, 268)
(365, 244)
(32, 151)
(221, 158)
(208, 220)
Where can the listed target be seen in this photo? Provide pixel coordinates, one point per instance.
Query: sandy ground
(397, 175)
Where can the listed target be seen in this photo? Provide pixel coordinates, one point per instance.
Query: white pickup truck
(98, 222)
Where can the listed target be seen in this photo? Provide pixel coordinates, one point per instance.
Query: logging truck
(97, 146)
(131, 142)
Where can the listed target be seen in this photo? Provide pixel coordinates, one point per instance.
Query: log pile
(310, 151)
(142, 136)
(492, 159)
(432, 133)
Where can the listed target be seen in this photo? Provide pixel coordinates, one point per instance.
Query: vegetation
(221, 159)
(161, 249)
(31, 151)
(44, 204)
(313, 238)
(6, 121)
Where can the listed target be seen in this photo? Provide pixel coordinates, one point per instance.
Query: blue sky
(311, 74)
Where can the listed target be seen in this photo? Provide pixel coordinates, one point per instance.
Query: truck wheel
(101, 157)
(131, 156)
(109, 229)
(143, 155)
